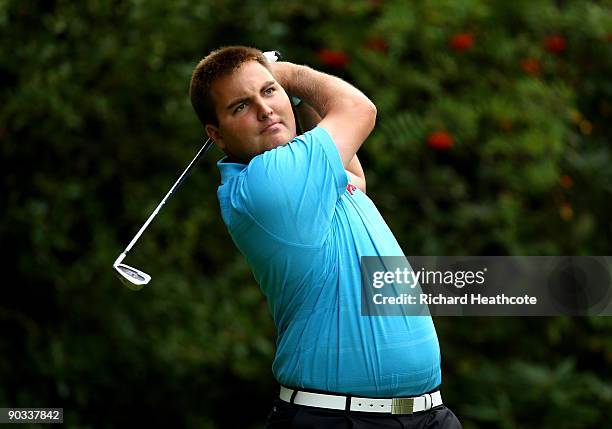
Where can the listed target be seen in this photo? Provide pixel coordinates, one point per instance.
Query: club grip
(273, 56)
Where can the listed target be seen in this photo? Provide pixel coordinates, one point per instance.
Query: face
(253, 111)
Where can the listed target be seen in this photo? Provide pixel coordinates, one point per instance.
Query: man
(296, 207)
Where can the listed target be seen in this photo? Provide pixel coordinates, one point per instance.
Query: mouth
(271, 127)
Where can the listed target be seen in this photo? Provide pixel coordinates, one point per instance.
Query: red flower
(566, 181)
(440, 140)
(462, 41)
(530, 65)
(333, 58)
(377, 43)
(555, 44)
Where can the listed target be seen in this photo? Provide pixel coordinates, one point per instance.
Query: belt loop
(293, 395)
(347, 404)
(428, 401)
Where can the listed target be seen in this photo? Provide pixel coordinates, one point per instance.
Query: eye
(239, 107)
(270, 91)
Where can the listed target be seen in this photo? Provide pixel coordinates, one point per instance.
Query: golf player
(295, 206)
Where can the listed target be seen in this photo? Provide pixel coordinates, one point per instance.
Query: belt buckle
(402, 405)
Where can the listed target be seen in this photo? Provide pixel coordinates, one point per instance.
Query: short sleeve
(291, 191)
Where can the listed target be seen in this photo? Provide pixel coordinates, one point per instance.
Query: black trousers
(290, 416)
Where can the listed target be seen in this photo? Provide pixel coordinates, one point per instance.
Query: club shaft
(182, 177)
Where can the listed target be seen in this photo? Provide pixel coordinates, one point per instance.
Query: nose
(264, 110)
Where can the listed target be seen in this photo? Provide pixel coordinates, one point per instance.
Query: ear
(215, 135)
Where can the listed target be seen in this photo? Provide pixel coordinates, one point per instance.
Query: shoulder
(309, 155)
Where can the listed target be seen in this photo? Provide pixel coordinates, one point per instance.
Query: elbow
(369, 114)
(373, 110)
(373, 113)
(366, 112)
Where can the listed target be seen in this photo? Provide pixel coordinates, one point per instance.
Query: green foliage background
(95, 124)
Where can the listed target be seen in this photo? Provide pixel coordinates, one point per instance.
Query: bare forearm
(347, 114)
(322, 91)
(356, 174)
(309, 118)
(301, 81)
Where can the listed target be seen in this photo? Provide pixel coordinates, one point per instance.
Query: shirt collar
(229, 169)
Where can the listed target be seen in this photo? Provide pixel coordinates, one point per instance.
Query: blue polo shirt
(303, 232)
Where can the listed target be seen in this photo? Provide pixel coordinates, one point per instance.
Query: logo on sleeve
(350, 188)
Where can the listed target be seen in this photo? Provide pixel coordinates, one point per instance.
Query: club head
(132, 277)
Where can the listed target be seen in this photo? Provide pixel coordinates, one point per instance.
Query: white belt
(371, 405)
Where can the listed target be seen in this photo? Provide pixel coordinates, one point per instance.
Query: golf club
(134, 278)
